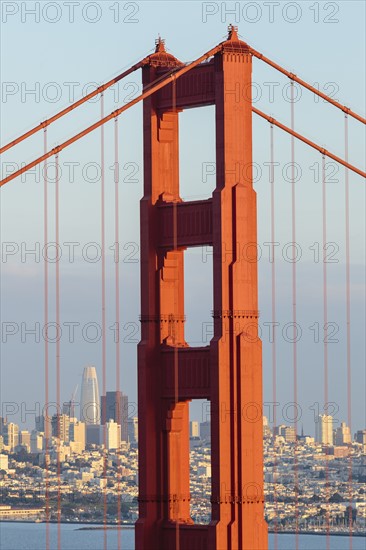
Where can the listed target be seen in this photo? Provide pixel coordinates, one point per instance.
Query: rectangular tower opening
(197, 154)
(200, 461)
(198, 295)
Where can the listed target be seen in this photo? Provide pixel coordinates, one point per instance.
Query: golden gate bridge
(170, 372)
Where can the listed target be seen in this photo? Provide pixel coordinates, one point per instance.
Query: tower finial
(159, 45)
(233, 32)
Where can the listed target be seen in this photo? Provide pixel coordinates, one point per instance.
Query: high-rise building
(114, 405)
(36, 442)
(360, 437)
(133, 434)
(43, 424)
(290, 434)
(324, 429)
(61, 426)
(3, 423)
(93, 435)
(68, 408)
(77, 435)
(266, 428)
(113, 435)
(24, 439)
(194, 429)
(287, 432)
(205, 431)
(11, 435)
(342, 435)
(89, 401)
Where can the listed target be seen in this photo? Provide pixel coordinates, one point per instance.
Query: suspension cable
(46, 347)
(294, 306)
(274, 343)
(348, 320)
(112, 115)
(73, 106)
(117, 293)
(175, 334)
(149, 93)
(145, 61)
(325, 336)
(103, 300)
(58, 359)
(312, 144)
(295, 78)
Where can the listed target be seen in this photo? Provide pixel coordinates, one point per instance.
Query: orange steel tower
(228, 372)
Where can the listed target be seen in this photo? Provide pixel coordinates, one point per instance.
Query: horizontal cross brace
(189, 377)
(185, 224)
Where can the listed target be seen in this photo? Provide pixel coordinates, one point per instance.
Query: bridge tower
(228, 372)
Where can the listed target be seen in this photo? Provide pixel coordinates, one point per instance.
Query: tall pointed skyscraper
(89, 402)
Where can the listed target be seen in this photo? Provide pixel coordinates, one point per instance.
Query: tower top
(233, 42)
(161, 58)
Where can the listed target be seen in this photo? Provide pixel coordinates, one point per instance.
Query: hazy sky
(63, 49)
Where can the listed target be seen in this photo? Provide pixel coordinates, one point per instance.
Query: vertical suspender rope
(175, 246)
(294, 307)
(104, 375)
(46, 350)
(274, 354)
(58, 329)
(348, 320)
(175, 321)
(118, 353)
(325, 333)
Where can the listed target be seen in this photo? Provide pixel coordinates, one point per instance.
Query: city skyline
(324, 429)
(25, 413)
(322, 477)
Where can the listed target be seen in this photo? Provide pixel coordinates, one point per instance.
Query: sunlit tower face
(90, 413)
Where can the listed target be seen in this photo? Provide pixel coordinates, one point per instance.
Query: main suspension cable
(73, 106)
(312, 144)
(112, 115)
(143, 62)
(149, 93)
(312, 89)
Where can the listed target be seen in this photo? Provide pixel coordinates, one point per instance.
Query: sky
(54, 52)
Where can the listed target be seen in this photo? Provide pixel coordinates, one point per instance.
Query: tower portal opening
(200, 460)
(198, 293)
(197, 155)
